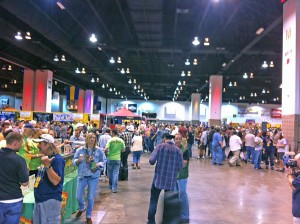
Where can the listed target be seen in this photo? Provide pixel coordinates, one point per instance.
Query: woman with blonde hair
(137, 147)
(90, 160)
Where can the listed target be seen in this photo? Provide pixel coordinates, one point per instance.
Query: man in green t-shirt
(113, 148)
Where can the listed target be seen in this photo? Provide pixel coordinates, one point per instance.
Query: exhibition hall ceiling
(146, 49)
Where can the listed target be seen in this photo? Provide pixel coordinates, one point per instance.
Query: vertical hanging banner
(72, 93)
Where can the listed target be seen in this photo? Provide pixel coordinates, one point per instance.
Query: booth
(122, 116)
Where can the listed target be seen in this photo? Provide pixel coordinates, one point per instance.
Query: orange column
(28, 89)
(215, 99)
(43, 90)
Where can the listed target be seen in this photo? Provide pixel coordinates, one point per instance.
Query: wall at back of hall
(181, 110)
(173, 111)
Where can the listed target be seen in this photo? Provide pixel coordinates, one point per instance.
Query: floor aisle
(217, 194)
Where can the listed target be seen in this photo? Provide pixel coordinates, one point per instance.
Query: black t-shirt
(190, 137)
(13, 171)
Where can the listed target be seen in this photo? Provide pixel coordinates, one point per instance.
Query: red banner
(276, 113)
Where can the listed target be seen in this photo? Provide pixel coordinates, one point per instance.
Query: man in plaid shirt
(126, 135)
(169, 161)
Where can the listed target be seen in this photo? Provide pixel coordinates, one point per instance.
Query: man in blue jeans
(169, 160)
(182, 181)
(14, 173)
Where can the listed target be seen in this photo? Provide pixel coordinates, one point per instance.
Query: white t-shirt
(258, 143)
(281, 142)
(235, 143)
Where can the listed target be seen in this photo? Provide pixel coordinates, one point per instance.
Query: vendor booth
(123, 116)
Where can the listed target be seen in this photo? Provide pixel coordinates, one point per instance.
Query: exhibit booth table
(69, 203)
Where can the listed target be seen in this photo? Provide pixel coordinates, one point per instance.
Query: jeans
(257, 159)
(182, 184)
(209, 148)
(217, 155)
(136, 156)
(250, 151)
(155, 192)
(113, 167)
(47, 212)
(189, 145)
(223, 153)
(269, 154)
(92, 184)
(10, 212)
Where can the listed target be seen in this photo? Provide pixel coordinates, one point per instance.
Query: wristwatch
(47, 168)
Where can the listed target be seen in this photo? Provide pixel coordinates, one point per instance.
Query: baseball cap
(44, 138)
(29, 126)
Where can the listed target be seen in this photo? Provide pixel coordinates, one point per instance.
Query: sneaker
(113, 191)
(198, 157)
(203, 157)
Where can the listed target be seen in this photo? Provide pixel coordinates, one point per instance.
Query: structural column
(43, 90)
(291, 73)
(215, 99)
(81, 99)
(28, 89)
(89, 100)
(195, 106)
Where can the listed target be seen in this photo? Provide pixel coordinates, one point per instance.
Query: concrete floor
(217, 194)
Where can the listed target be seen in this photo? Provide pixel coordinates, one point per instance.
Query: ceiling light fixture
(9, 68)
(224, 65)
(234, 84)
(251, 75)
(18, 36)
(259, 31)
(240, 98)
(61, 6)
(83, 71)
(127, 71)
(97, 79)
(230, 84)
(99, 48)
(103, 86)
(263, 91)
(63, 58)
(77, 71)
(245, 76)
(134, 87)
(264, 65)
(3, 67)
(177, 88)
(122, 71)
(129, 81)
(268, 91)
(93, 38)
(206, 41)
(255, 95)
(110, 89)
(224, 90)
(182, 74)
(28, 36)
(55, 58)
(196, 41)
(187, 62)
(179, 83)
(271, 64)
(93, 80)
(112, 60)
(189, 73)
(280, 86)
(119, 60)
(134, 81)
(183, 83)
(251, 94)
(195, 62)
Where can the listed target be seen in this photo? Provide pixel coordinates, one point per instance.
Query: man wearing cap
(294, 181)
(49, 183)
(25, 150)
(13, 173)
(169, 160)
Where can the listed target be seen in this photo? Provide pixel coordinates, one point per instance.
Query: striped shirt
(169, 161)
(127, 138)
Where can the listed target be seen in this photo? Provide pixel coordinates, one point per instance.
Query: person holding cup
(90, 159)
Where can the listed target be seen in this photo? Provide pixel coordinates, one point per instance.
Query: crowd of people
(103, 152)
